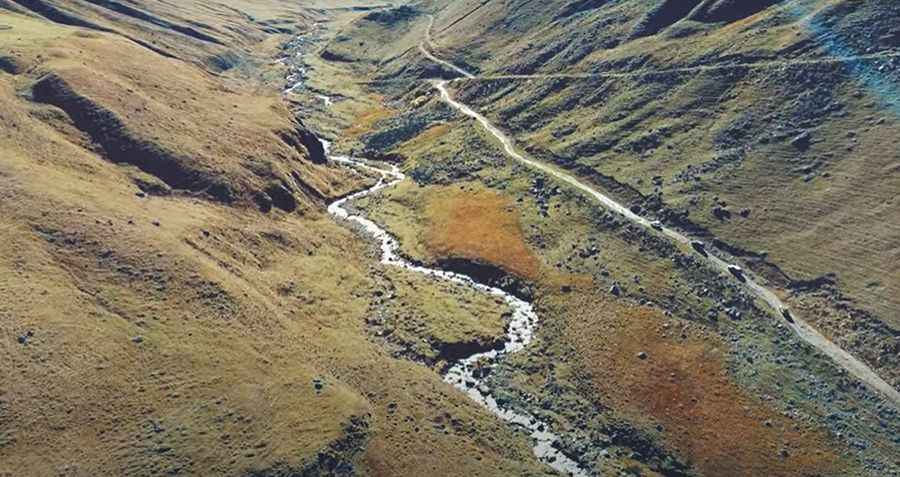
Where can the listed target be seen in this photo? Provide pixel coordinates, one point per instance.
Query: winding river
(468, 374)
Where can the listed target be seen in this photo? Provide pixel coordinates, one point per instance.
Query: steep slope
(760, 125)
(216, 34)
(111, 295)
(173, 297)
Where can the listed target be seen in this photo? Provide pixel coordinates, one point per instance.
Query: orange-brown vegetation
(367, 119)
(683, 386)
(432, 133)
(480, 225)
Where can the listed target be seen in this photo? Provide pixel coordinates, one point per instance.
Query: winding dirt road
(806, 332)
(427, 46)
(688, 69)
(424, 49)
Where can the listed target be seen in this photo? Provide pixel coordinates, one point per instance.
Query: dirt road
(840, 356)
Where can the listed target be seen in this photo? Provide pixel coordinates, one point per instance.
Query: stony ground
(646, 358)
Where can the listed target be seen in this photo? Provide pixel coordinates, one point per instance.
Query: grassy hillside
(727, 119)
(759, 128)
(175, 300)
(716, 142)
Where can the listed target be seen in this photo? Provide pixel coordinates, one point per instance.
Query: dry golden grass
(366, 120)
(205, 390)
(479, 224)
(426, 314)
(181, 109)
(166, 334)
(193, 31)
(428, 135)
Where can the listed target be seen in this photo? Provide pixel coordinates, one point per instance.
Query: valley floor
(759, 354)
(263, 238)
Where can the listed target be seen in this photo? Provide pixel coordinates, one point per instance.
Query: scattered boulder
(263, 201)
(23, 338)
(9, 64)
(282, 197)
(802, 141)
(221, 192)
(721, 213)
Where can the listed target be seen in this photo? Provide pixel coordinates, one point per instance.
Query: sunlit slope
(762, 132)
(715, 139)
(173, 297)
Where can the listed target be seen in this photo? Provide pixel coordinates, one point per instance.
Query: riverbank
(609, 292)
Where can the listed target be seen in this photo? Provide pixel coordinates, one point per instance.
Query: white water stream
(467, 375)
